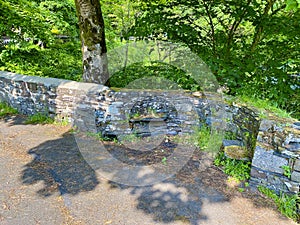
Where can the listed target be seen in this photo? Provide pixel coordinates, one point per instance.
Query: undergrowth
(238, 169)
(288, 205)
(204, 138)
(153, 69)
(208, 139)
(6, 110)
(39, 118)
(264, 106)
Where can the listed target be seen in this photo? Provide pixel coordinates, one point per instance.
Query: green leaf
(292, 5)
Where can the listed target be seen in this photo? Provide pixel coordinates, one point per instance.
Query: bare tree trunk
(92, 35)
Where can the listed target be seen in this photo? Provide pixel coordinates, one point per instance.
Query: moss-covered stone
(235, 150)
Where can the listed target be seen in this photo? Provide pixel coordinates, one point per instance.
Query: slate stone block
(297, 165)
(258, 174)
(295, 176)
(266, 160)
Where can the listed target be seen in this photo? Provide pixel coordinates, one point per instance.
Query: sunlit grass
(6, 110)
(265, 108)
(39, 118)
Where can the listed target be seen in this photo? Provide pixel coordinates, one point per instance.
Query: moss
(237, 152)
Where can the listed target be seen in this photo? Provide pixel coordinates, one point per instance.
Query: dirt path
(45, 180)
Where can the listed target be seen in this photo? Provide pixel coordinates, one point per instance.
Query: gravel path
(45, 180)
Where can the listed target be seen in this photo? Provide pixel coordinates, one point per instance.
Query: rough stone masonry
(273, 144)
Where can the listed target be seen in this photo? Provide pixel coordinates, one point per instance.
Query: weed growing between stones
(288, 205)
(6, 110)
(287, 171)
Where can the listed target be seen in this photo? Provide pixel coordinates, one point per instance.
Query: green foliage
(288, 205)
(251, 47)
(292, 5)
(208, 139)
(61, 122)
(60, 60)
(119, 17)
(287, 171)
(154, 69)
(6, 110)
(230, 135)
(204, 138)
(99, 137)
(130, 138)
(16, 20)
(236, 168)
(38, 19)
(164, 160)
(35, 47)
(264, 106)
(39, 118)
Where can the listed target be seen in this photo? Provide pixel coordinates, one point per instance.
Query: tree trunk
(92, 35)
(260, 27)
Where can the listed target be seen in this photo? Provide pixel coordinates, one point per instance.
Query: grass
(61, 122)
(204, 138)
(6, 110)
(287, 204)
(208, 139)
(99, 137)
(39, 118)
(264, 107)
(130, 138)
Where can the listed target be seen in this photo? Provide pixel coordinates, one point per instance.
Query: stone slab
(266, 160)
(295, 176)
(297, 165)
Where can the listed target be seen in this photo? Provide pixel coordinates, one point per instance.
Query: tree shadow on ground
(178, 198)
(59, 164)
(171, 201)
(12, 120)
(182, 196)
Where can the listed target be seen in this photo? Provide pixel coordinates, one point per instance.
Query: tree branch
(260, 27)
(211, 24)
(233, 29)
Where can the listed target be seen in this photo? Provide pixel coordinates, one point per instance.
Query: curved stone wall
(272, 144)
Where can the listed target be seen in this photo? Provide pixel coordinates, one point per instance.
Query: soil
(45, 179)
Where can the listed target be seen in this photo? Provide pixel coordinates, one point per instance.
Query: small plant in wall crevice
(287, 171)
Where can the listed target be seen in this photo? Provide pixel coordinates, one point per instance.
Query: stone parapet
(272, 144)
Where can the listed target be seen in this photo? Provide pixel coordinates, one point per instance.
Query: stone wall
(273, 145)
(57, 98)
(276, 162)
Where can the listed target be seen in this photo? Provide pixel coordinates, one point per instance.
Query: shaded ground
(44, 179)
